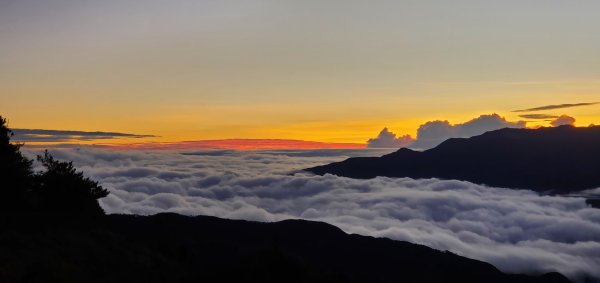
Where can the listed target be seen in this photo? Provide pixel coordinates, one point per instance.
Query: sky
(190, 74)
(327, 71)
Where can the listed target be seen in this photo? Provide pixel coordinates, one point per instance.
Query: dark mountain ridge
(563, 159)
(176, 248)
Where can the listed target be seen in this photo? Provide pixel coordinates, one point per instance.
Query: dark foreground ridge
(176, 248)
(564, 159)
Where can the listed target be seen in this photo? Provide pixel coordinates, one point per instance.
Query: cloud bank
(516, 230)
(563, 120)
(38, 135)
(433, 133)
(387, 139)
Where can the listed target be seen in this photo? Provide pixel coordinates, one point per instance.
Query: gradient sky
(333, 71)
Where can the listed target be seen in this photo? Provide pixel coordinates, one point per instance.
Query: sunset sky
(328, 71)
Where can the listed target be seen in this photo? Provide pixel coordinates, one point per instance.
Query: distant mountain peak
(560, 159)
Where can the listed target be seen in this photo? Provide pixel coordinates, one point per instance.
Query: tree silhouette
(58, 189)
(15, 173)
(65, 190)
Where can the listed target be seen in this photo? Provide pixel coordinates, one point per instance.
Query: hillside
(564, 159)
(176, 248)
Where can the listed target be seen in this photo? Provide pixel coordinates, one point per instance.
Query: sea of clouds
(516, 230)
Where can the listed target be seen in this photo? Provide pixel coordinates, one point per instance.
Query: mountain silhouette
(176, 248)
(558, 160)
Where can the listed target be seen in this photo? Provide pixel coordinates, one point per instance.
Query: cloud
(38, 135)
(556, 106)
(387, 139)
(538, 116)
(563, 120)
(516, 230)
(433, 133)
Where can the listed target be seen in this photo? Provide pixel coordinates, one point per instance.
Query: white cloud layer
(517, 231)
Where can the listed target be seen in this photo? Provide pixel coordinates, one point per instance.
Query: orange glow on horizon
(235, 144)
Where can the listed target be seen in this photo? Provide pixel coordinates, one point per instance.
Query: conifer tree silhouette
(15, 173)
(60, 188)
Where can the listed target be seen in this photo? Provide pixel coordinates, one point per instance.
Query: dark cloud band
(556, 106)
(40, 135)
(539, 116)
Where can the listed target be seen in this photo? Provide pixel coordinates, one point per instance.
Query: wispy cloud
(539, 116)
(40, 135)
(557, 106)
